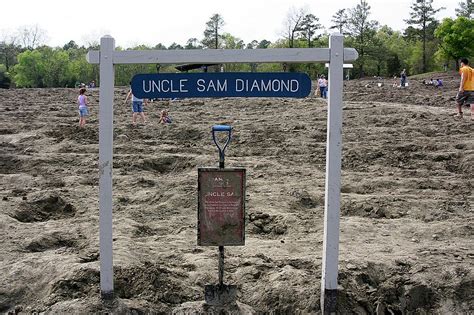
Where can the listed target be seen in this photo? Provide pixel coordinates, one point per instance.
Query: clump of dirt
(165, 164)
(143, 230)
(74, 133)
(51, 207)
(264, 223)
(375, 208)
(161, 164)
(9, 164)
(52, 241)
(82, 283)
(155, 283)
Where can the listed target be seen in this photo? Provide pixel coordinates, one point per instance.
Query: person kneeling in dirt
(465, 95)
(83, 110)
(164, 117)
(137, 107)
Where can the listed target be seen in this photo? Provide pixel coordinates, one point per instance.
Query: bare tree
(293, 24)
(31, 36)
(91, 40)
(9, 48)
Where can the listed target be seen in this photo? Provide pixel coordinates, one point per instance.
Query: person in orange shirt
(465, 95)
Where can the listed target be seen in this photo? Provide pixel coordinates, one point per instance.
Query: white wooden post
(106, 132)
(333, 176)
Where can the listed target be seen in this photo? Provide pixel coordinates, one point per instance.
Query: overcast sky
(152, 21)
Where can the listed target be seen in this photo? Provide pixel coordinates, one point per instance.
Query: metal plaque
(221, 206)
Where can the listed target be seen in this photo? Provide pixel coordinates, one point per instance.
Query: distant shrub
(5, 80)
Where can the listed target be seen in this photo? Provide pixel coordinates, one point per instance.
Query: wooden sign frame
(107, 57)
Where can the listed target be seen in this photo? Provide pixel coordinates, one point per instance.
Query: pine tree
(309, 26)
(362, 30)
(422, 14)
(211, 33)
(466, 9)
(339, 20)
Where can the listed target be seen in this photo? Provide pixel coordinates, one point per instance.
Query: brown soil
(407, 204)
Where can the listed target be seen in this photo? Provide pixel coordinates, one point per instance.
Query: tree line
(426, 44)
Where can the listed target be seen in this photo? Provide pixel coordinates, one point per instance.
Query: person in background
(164, 117)
(465, 94)
(323, 85)
(403, 78)
(137, 107)
(83, 110)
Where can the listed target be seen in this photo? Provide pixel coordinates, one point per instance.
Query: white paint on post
(333, 177)
(106, 128)
(196, 56)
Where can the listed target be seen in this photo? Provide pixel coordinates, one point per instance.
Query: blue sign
(221, 84)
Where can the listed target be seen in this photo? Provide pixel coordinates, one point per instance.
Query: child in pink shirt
(83, 111)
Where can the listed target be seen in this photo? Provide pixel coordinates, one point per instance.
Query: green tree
(339, 20)
(309, 26)
(399, 50)
(212, 31)
(411, 34)
(79, 70)
(380, 51)
(466, 9)
(457, 38)
(8, 53)
(5, 80)
(252, 45)
(264, 44)
(29, 70)
(159, 46)
(422, 15)
(175, 46)
(231, 42)
(54, 65)
(192, 43)
(71, 45)
(125, 72)
(362, 31)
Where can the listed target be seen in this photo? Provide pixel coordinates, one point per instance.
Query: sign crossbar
(197, 56)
